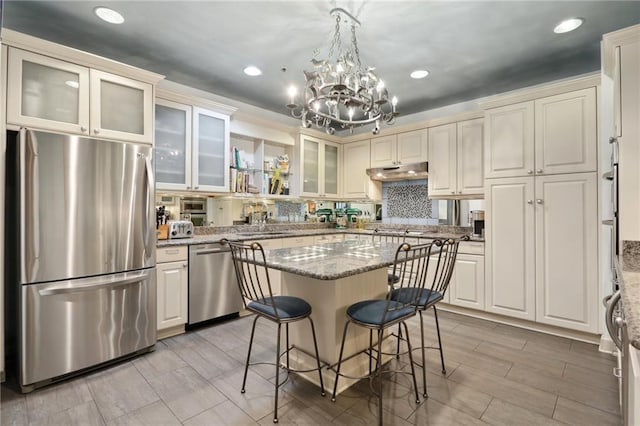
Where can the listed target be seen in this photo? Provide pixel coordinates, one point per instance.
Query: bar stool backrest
(444, 263)
(411, 264)
(252, 273)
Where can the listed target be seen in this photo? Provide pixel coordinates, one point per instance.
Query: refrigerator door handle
(102, 282)
(149, 223)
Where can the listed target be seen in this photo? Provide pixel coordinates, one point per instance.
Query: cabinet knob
(96, 130)
(613, 139)
(538, 170)
(453, 192)
(459, 192)
(529, 201)
(185, 265)
(196, 187)
(188, 187)
(529, 172)
(539, 201)
(83, 128)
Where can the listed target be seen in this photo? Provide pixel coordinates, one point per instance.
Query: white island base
(329, 300)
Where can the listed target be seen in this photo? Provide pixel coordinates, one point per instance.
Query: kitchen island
(330, 277)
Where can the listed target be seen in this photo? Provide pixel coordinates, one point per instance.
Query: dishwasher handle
(211, 251)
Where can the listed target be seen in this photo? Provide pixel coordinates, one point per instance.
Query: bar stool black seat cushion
(373, 311)
(407, 294)
(288, 307)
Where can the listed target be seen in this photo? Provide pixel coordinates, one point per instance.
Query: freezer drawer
(71, 325)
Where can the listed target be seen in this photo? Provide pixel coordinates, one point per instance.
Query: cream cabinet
(319, 162)
(172, 283)
(274, 274)
(456, 165)
(192, 148)
(403, 148)
(51, 94)
(467, 282)
(550, 135)
(541, 249)
(355, 162)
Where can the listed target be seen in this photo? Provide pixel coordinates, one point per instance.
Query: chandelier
(340, 92)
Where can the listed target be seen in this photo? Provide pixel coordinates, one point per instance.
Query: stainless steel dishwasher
(213, 289)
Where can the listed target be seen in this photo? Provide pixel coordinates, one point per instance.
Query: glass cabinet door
(210, 163)
(331, 161)
(120, 107)
(310, 166)
(172, 145)
(47, 93)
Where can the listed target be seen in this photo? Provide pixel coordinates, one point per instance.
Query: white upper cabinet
(172, 145)
(551, 135)
(356, 183)
(455, 159)
(442, 164)
(565, 133)
(191, 149)
(47, 93)
(120, 108)
(412, 147)
(509, 141)
(50, 94)
(210, 152)
(403, 148)
(319, 160)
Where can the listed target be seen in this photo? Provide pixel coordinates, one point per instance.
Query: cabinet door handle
(529, 172)
(529, 201)
(83, 128)
(613, 139)
(96, 130)
(539, 201)
(185, 265)
(539, 171)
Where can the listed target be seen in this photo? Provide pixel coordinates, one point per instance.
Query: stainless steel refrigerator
(80, 254)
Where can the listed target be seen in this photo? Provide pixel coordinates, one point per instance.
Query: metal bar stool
(255, 287)
(410, 265)
(429, 297)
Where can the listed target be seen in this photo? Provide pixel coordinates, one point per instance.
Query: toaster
(180, 229)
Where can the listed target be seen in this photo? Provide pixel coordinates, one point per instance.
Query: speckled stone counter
(628, 268)
(249, 233)
(333, 260)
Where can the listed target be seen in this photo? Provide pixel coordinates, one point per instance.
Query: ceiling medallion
(340, 92)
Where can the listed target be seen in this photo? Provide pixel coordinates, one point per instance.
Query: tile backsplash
(407, 202)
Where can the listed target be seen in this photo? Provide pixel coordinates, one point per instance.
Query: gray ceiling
(472, 49)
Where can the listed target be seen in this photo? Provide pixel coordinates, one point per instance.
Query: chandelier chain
(354, 40)
(336, 38)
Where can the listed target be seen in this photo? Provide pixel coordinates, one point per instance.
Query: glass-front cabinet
(319, 161)
(173, 145)
(191, 148)
(210, 166)
(51, 94)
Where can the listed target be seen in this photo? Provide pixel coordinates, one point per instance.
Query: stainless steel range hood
(400, 172)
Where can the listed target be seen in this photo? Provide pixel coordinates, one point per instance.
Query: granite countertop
(628, 266)
(333, 260)
(243, 234)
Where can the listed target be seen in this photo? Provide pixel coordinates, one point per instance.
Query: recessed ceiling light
(568, 25)
(108, 15)
(253, 71)
(419, 74)
(72, 83)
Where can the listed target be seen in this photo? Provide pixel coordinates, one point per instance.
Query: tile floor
(496, 374)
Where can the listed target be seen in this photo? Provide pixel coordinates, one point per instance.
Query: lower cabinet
(172, 288)
(332, 238)
(542, 249)
(467, 282)
(297, 242)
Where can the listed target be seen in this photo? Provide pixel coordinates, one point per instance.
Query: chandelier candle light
(340, 92)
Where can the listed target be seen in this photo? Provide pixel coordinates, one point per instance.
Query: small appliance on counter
(352, 215)
(477, 222)
(180, 229)
(325, 215)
